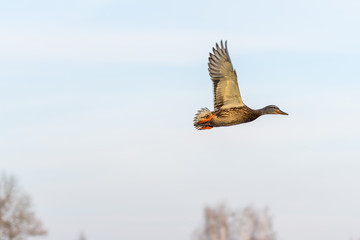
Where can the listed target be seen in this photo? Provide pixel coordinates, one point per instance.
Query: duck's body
(228, 117)
(229, 107)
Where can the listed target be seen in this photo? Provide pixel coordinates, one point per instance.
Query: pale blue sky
(97, 100)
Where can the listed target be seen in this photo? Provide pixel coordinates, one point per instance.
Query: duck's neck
(261, 111)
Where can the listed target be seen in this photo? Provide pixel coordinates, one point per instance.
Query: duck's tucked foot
(206, 120)
(203, 118)
(204, 128)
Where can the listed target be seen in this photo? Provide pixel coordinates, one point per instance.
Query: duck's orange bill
(283, 113)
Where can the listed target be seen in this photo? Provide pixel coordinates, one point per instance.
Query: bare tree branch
(17, 220)
(247, 224)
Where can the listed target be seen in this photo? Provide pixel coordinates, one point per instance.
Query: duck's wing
(223, 75)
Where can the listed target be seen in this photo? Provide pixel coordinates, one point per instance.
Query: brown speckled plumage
(229, 108)
(233, 116)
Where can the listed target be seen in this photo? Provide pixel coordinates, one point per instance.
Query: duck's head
(272, 109)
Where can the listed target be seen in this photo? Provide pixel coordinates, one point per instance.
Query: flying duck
(229, 108)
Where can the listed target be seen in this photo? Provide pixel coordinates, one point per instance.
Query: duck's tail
(202, 119)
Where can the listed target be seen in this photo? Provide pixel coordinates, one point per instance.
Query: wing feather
(223, 75)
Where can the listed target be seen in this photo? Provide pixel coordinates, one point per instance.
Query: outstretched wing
(223, 75)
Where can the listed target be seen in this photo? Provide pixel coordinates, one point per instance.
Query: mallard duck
(229, 108)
